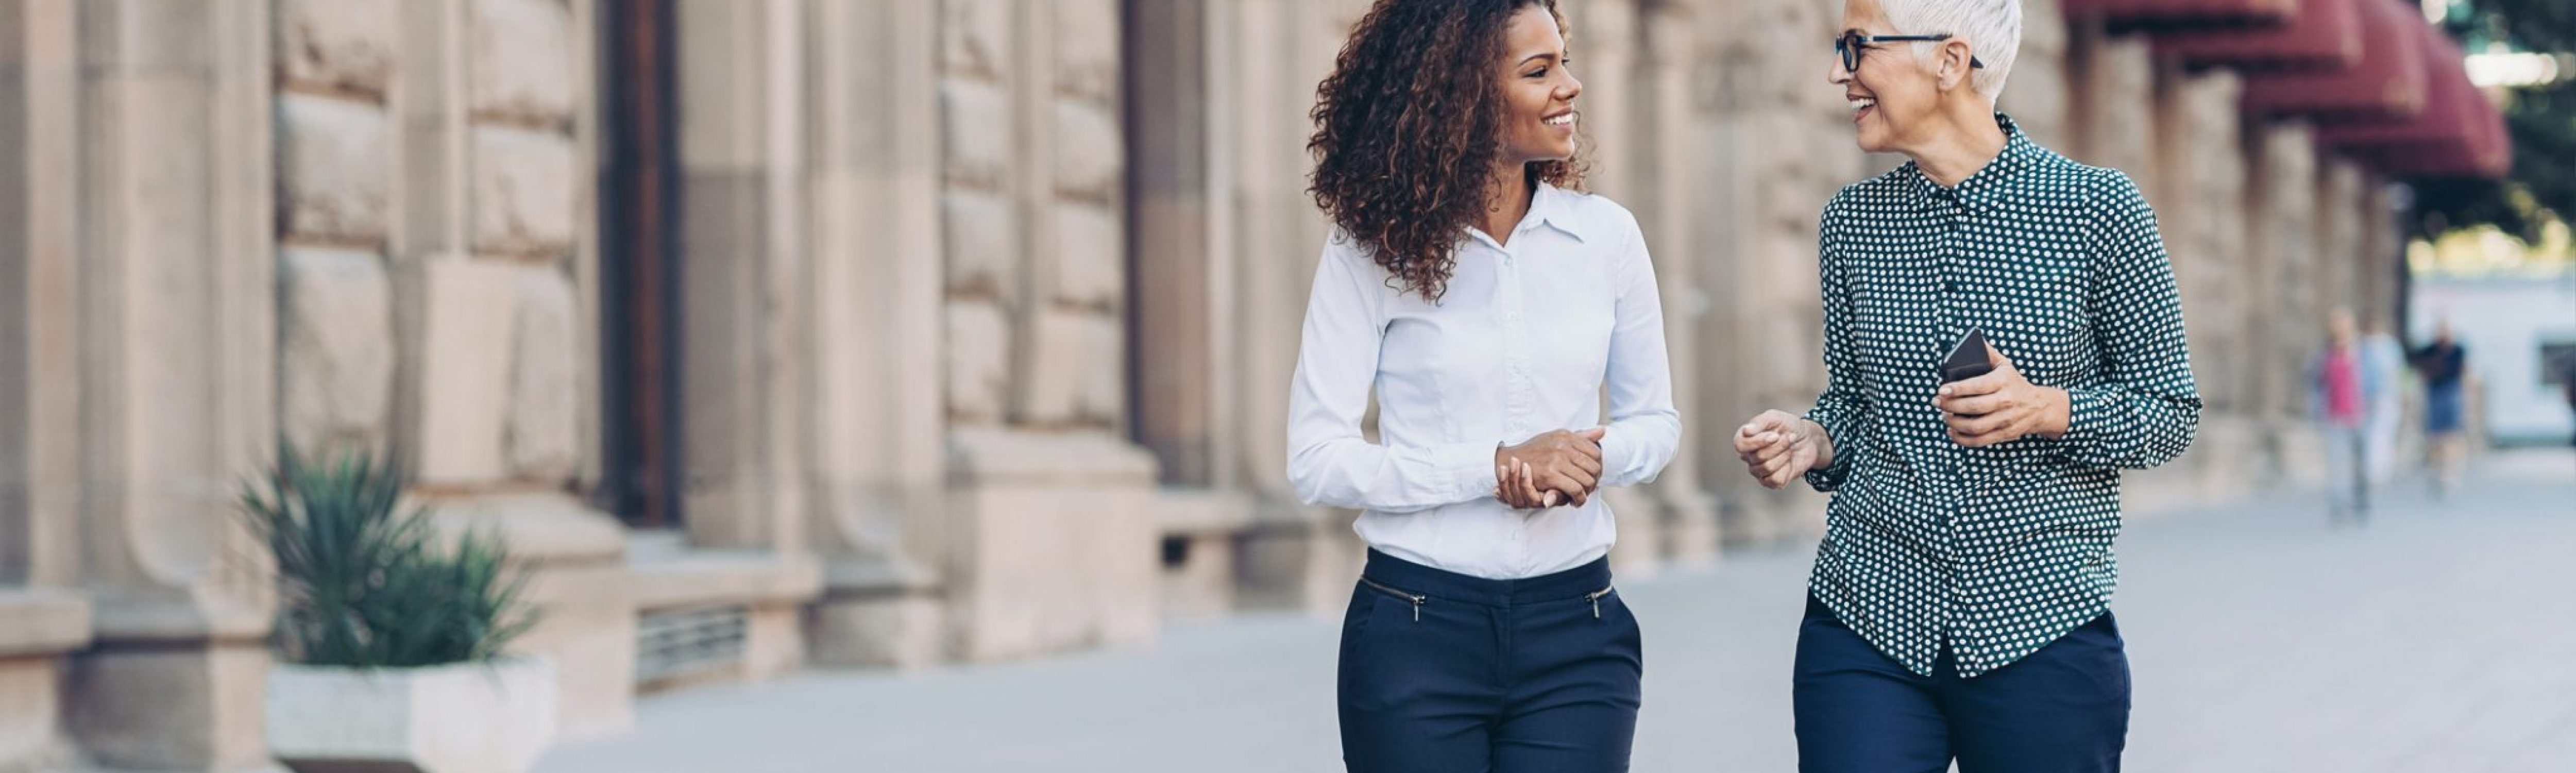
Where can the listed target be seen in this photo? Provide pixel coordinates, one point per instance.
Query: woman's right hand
(1778, 448)
(1560, 467)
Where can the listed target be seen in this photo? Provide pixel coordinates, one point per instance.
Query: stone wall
(433, 222)
(1054, 526)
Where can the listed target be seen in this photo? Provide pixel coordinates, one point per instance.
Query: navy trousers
(1445, 672)
(2063, 709)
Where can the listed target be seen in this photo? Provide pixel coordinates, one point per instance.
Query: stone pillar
(439, 259)
(43, 615)
(2339, 240)
(2201, 176)
(40, 135)
(2383, 253)
(1052, 529)
(1267, 58)
(2285, 325)
(1670, 203)
(741, 152)
(1178, 345)
(874, 185)
(2113, 84)
(1774, 144)
(176, 327)
(2037, 93)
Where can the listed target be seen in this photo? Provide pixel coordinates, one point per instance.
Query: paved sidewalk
(2440, 638)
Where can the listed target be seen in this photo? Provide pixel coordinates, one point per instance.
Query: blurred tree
(2542, 120)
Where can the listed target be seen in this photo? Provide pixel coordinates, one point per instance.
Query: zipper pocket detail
(1595, 598)
(1414, 599)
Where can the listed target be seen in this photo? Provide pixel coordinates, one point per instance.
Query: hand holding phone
(1967, 359)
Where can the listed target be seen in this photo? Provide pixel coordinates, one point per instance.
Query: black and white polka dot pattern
(1996, 551)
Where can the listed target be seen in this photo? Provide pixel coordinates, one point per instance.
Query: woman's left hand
(2001, 407)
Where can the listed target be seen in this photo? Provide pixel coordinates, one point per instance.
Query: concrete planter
(464, 718)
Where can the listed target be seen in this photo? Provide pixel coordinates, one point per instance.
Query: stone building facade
(881, 333)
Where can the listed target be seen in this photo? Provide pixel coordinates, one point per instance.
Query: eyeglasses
(1851, 43)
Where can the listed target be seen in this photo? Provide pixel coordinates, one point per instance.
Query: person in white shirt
(1490, 305)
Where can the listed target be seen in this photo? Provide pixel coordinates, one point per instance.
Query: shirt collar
(1549, 206)
(1556, 208)
(1980, 190)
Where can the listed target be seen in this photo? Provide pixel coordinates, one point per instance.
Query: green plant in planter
(366, 583)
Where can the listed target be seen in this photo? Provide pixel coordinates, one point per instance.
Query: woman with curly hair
(1490, 304)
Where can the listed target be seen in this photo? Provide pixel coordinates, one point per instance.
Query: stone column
(741, 152)
(2284, 326)
(1052, 531)
(2339, 240)
(2037, 93)
(879, 490)
(1671, 203)
(43, 615)
(1268, 56)
(1773, 146)
(1182, 325)
(177, 324)
(439, 240)
(2383, 253)
(2201, 174)
(40, 136)
(2113, 85)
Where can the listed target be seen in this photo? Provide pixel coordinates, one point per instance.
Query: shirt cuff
(1829, 477)
(1470, 467)
(2086, 409)
(1617, 454)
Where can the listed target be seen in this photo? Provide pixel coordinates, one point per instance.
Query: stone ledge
(42, 621)
(861, 578)
(712, 577)
(1203, 511)
(546, 527)
(194, 616)
(1086, 459)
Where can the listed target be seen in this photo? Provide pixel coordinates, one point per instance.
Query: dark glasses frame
(1851, 44)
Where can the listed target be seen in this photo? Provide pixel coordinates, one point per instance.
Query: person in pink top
(2343, 391)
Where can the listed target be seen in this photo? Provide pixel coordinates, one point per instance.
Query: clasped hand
(1559, 467)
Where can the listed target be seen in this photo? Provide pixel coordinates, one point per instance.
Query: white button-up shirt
(1525, 341)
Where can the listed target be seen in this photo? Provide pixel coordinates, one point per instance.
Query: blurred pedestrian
(1960, 608)
(2567, 383)
(2443, 365)
(1490, 304)
(2384, 357)
(2342, 389)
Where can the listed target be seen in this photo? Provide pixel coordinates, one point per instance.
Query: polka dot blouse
(1992, 552)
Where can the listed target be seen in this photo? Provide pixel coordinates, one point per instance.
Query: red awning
(2460, 132)
(2323, 35)
(2164, 12)
(2388, 83)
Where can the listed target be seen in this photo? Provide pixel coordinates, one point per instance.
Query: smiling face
(1538, 92)
(1892, 91)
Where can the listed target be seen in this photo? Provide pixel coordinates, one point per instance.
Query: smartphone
(1967, 358)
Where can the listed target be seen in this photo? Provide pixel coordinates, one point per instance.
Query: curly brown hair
(1406, 130)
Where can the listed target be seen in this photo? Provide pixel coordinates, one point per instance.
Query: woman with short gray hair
(2002, 337)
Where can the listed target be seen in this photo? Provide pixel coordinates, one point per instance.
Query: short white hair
(1992, 29)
